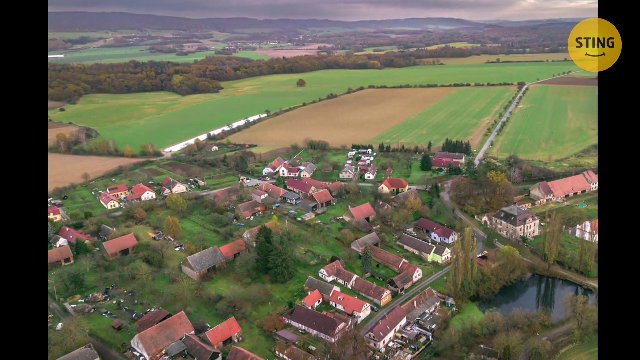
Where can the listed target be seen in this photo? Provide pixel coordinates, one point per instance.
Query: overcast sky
(343, 9)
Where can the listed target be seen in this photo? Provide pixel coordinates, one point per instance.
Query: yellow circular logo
(594, 44)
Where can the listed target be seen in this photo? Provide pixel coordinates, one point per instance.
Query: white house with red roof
(323, 198)
(435, 231)
(384, 330)
(312, 300)
(171, 186)
(109, 201)
(393, 185)
(371, 173)
(335, 271)
(350, 305)
(274, 166)
(153, 341)
(588, 230)
(141, 192)
(72, 235)
(289, 171)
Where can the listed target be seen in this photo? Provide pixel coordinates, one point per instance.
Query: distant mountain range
(100, 21)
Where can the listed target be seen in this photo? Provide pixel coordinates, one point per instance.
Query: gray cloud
(342, 9)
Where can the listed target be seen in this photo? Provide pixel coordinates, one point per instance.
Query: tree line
(456, 146)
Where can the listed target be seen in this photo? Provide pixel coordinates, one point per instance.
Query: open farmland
(482, 59)
(164, 118)
(67, 169)
(552, 122)
(277, 52)
(464, 114)
(355, 118)
(55, 129)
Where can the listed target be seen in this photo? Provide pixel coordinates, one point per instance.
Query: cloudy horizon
(349, 10)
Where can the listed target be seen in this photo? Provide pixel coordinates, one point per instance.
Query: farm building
(118, 191)
(122, 245)
(375, 293)
(289, 171)
(86, 352)
(291, 352)
(323, 198)
(513, 222)
(61, 255)
(199, 349)
(250, 235)
(320, 325)
(409, 275)
(299, 187)
(435, 231)
(108, 201)
(273, 191)
(259, 195)
(323, 287)
(238, 353)
(250, 208)
(350, 305)
(457, 158)
(152, 318)
(335, 271)
(226, 332)
(558, 190)
(368, 240)
(383, 331)
(196, 266)
(393, 186)
(233, 249)
(316, 183)
(153, 341)
(55, 213)
(360, 213)
(416, 246)
(141, 192)
(427, 300)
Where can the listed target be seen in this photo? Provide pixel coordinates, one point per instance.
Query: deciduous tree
(127, 151)
(176, 203)
(172, 227)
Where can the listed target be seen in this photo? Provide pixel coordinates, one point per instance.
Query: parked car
(374, 308)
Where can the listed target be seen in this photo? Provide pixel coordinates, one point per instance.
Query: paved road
(403, 299)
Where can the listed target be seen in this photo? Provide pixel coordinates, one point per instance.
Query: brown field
(311, 49)
(355, 118)
(55, 104)
(57, 128)
(569, 80)
(185, 170)
(151, 172)
(67, 169)
(481, 59)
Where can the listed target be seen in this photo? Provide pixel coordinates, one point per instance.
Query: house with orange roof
(360, 214)
(109, 201)
(233, 249)
(558, 190)
(61, 255)
(313, 299)
(350, 305)
(393, 186)
(118, 191)
(55, 213)
(335, 271)
(226, 332)
(122, 245)
(141, 192)
(238, 353)
(152, 342)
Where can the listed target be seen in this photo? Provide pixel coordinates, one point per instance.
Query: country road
(403, 299)
(481, 237)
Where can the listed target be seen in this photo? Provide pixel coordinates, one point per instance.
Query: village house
(320, 325)
(350, 305)
(288, 351)
(196, 266)
(171, 186)
(409, 275)
(141, 192)
(394, 262)
(441, 254)
(371, 239)
(233, 249)
(416, 246)
(435, 231)
(371, 291)
(273, 191)
(291, 198)
(323, 198)
(348, 172)
(86, 352)
(238, 353)
(371, 173)
(313, 299)
(454, 157)
(299, 187)
(108, 201)
(316, 183)
(289, 171)
(55, 213)
(588, 230)
(307, 169)
(383, 331)
(323, 287)
(226, 332)
(427, 301)
(123, 245)
(360, 215)
(118, 191)
(393, 186)
(199, 349)
(514, 222)
(335, 188)
(250, 208)
(152, 318)
(153, 341)
(61, 255)
(72, 235)
(274, 166)
(560, 189)
(335, 271)
(259, 195)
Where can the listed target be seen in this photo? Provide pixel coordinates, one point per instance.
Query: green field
(587, 350)
(455, 117)
(470, 313)
(164, 118)
(463, 44)
(552, 122)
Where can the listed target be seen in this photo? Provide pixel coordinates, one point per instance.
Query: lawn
(552, 122)
(587, 350)
(164, 118)
(463, 115)
(469, 313)
(590, 211)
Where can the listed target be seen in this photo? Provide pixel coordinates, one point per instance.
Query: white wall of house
(148, 195)
(381, 343)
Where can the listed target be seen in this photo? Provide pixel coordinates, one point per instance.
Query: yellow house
(108, 201)
(118, 191)
(393, 185)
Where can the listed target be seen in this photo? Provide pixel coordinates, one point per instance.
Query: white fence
(234, 125)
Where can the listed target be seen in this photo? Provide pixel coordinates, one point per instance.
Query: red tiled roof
(106, 198)
(151, 319)
(348, 302)
(158, 337)
(138, 190)
(250, 207)
(322, 196)
(362, 211)
(395, 183)
(335, 186)
(312, 298)
(316, 183)
(369, 289)
(259, 192)
(166, 181)
(54, 210)
(273, 191)
(291, 169)
(444, 163)
(72, 234)
(386, 258)
(432, 226)
(238, 353)
(572, 184)
(120, 243)
(232, 248)
(223, 331)
(117, 188)
(302, 186)
(388, 323)
(59, 253)
(336, 269)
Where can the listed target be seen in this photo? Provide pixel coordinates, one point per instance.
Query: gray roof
(416, 244)
(308, 203)
(84, 353)
(439, 250)
(205, 259)
(514, 215)
(175, 348)
(310, 168)
(360, 244)
(198, 348)
(314, 320)
(106, 231)
(291, 195)
(324, 287)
